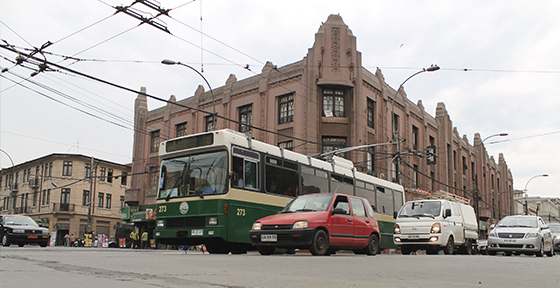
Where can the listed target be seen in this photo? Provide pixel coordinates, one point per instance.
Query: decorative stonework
(246, 93)
(371, 88)
(180, 113)
(262, 118)
(285, 82)
(155, 121)
(226, 115)
(335, 48)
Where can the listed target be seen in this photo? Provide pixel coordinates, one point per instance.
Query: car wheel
(450, 247)
(44, 244)
(21, 245)
(265, 250)
(551, 252)
(541, 250)
(320, 243)
(373, 245)
(5, 241)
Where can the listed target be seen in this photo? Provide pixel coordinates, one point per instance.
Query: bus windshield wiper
(424, 215)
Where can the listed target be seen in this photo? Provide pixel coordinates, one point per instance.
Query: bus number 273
(240, 212)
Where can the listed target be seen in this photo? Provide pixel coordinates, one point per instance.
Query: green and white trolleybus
(214, 185)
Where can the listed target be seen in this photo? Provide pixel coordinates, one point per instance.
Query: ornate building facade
(324, 102)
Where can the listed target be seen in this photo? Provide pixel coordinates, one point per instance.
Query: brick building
(326, 101)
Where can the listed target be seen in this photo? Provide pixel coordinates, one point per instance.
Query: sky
(499, 64)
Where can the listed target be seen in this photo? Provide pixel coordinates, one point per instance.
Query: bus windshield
(194, 175)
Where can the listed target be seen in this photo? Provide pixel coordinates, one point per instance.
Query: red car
(322, 223)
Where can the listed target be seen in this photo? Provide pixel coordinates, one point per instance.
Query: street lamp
(432, 68)
(171, 62)
(525, 191)
(12, 177)
(477, 194)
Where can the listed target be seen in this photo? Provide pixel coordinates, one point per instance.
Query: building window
(124, 176)
(87, 173)
(66, 168)
(465, 167)
(415, 176)
(286, 108)
(333, 143)
(108, 201)
(288, 145)
(85, 198)
(415, 137)
(245, 117)
(122, 202)
(64, 195)
(154, 174)
(50, 170)
(333, 102)
(370, 160)
(181, 129)
(154, 141)
(46, 197)
(210, 125)
(110, 175)
(395, 126)
(100, 199)
(370, 113)
(102, 175)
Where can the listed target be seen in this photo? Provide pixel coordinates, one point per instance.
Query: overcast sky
(510, 48)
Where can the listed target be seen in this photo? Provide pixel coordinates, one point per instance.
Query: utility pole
(89, 220)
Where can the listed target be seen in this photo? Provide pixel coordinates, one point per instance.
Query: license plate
(268, 238)
(510, 241)
(197, 232)
(414, 237)
(32, 237)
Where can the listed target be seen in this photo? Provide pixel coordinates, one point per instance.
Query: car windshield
(312, 202)
(524, 222)
(555, 228)
(20, 221)
(195, 175)
(421, 209)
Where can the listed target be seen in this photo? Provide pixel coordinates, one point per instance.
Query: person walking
(145, 240)
(134, 237)
(66, 240)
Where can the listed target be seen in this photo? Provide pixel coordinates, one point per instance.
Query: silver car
(555, 229)
(521, 234)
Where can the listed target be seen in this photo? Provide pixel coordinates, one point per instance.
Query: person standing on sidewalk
(134, 237)
(145, 240)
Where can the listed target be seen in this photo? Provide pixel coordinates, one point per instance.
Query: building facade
(57, 190)
(324, 102)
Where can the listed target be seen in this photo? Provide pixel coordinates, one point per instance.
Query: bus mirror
(395, 214)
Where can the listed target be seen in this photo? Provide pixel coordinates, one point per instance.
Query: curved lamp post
(477, 194)
(525, 190)
(432, 68)
(171, 62)
(10, 184)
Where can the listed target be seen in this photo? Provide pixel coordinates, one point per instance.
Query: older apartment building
(57, 190)
(326, 101)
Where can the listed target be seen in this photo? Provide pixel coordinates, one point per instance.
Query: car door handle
(349, 219)
(367, 221)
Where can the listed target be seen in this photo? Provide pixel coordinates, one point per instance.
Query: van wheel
(373, 245)
(467, 249)
(320, 243)
(450, 247)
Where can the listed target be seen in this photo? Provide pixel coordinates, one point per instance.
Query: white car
(521, 234)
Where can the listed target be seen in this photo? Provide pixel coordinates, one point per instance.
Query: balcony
(63, 207)
(34, 183)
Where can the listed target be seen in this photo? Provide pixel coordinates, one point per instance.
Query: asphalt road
(111, 267)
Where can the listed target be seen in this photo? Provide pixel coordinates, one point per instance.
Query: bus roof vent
(341, 162)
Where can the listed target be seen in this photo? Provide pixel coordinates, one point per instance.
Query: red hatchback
(322, 223)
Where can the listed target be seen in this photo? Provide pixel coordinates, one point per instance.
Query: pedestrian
(134, 237)
(66, 240)
(72, 240)
(145, 240)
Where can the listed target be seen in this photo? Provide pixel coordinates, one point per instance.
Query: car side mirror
(338, 211)
(545, 226)
(492, 226)
(447, 213)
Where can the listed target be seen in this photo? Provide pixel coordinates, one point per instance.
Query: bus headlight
(212, 220)
(160, 223)
(256, 226)
(300, 225)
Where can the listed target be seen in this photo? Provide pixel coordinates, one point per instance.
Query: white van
(436, 224)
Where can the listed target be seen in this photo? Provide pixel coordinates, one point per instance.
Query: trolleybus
(214, 185)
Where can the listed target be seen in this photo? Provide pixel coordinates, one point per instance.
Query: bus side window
(237, 174)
